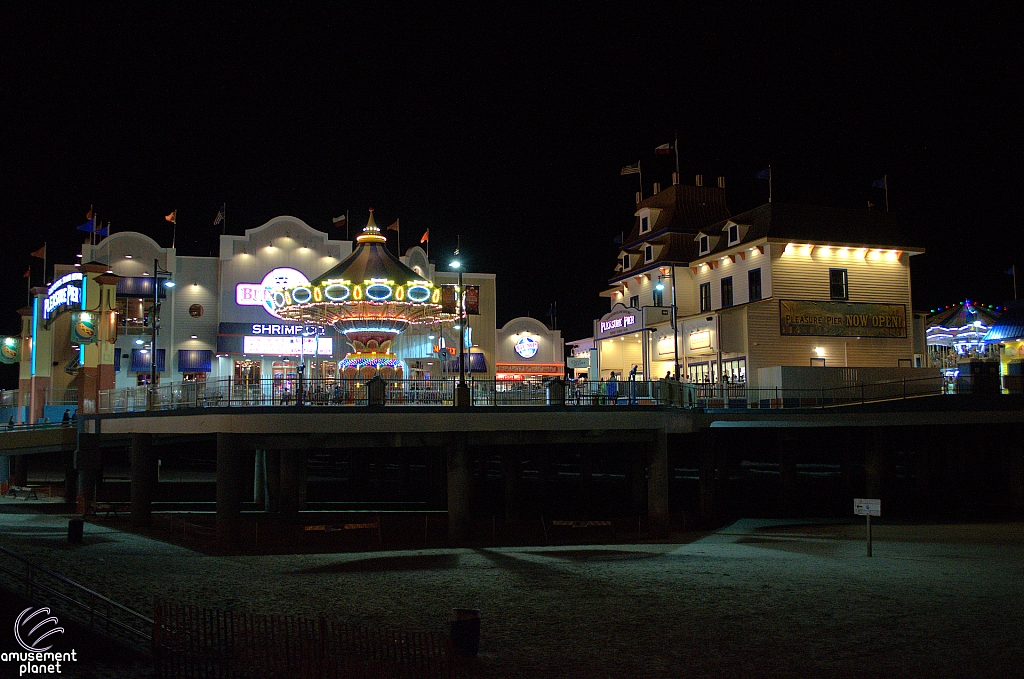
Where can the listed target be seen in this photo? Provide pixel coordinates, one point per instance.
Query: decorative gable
(735, 232)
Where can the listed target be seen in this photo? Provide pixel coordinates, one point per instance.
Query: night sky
(509, 128)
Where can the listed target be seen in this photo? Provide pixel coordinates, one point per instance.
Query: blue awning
(195, 361)
(1009, 326)
(141, 360)
(138, 286)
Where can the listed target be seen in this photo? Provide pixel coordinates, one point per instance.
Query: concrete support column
(293, 483)
(657, 484)
(636, 475)
(231, 464)
(70, 476)
(788, 445)
(587, 479)
(706, 467)
(511, 471)
(88, 461)
(874, 465)
(272, 471)
(143, 460)
(458, 490)
(259, 479)
(19, 470)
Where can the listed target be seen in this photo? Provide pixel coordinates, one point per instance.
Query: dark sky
(509, 128)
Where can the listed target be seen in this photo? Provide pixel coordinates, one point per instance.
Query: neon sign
(262, 293)
(527, 347)
(288, 346)
(65, 293)
(620, 323)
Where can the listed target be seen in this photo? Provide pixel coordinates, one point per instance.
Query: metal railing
(81, 603)
(529, 392)
(61, 397)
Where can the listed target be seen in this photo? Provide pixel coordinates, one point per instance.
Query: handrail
(142, 636)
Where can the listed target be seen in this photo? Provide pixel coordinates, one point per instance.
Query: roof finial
(371, 232)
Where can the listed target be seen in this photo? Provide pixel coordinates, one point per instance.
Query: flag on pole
(339, 221)
(28, 273)
(870, 205)
(220, 215)
(89, 226)
(663, 150)
(880, 183)
(764, 174)
(102, 231)
(40, 253)
(173, 217)
(393, 226)
(88, 215)
(630, 169)
(1011, 271)
(425, 237)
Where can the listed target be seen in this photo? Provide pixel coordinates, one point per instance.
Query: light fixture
(138, 341)
(79, 256)
(195, 336)
(127, 256)
(820, 351)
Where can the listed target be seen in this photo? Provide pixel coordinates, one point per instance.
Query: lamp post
(155, 322)
(462, 325)
(675, 326)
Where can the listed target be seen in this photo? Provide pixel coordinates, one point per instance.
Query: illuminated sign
(700, 339)
(527, 347)
(65, 293)
(578, 362)
(842, 319)
(288, 346)
(277, 330)
(83, 327)
(260, 294)
(619, 321)
(530, 368)
(10, 350)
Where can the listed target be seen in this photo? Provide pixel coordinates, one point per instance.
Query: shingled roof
(685, 209)
(807, 223)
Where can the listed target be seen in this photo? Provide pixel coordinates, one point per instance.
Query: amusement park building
(779, 285)
(219, 319)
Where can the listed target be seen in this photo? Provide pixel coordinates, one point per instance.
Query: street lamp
(154, 320)
(462, 325)
(675, 326)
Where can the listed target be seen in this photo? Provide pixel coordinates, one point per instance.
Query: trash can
(466, 631)
(376, 389)
(556, 393)
(76, 528)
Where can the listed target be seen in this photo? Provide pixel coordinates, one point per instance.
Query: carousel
(371, 298)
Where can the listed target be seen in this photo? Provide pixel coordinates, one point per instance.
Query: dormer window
(625, 262)
(705, 244)
(645, 223)
(734, 234)
(648, 254)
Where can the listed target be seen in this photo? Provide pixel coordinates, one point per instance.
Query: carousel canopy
(965, 322)
(369, 289)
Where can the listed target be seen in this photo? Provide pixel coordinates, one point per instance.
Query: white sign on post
(862, 507)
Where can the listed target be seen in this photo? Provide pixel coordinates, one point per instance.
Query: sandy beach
(757, 598)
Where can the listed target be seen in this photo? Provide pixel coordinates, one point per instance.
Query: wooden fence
(190, 642)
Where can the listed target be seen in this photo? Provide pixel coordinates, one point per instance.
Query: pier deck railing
(498, 393)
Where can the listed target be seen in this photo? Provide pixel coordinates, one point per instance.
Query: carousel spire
(371, 232)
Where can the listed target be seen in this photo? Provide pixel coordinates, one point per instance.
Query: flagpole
(28, 291)
(769, 183)
(885, 180)
(641, 173)
(44, 262)
(677, 157)
(398, 230)
(347, 237)
(1014, 269)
